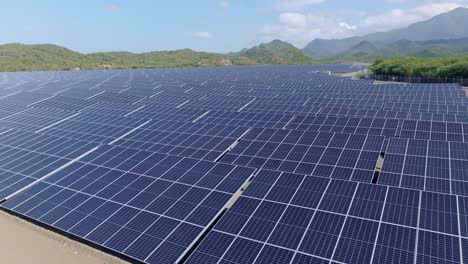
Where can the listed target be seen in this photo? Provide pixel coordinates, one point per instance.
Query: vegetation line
(450, 67)
(47, 57)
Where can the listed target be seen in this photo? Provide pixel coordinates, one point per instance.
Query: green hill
(20, 57)
(157, 59)
(275, 52)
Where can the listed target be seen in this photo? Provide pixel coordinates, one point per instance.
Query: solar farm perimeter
(266, 164)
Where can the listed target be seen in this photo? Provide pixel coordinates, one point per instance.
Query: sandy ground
(353, 75)
(23, 242)
(385, 82)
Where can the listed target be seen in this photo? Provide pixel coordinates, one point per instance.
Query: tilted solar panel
(268, 164)
(147, 206)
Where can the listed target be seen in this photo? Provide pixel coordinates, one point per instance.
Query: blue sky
(207, 25)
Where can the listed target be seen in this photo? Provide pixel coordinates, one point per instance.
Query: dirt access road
(22, 242)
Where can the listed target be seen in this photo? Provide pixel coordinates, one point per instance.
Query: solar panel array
(265, 164)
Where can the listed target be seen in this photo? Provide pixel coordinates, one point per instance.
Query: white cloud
(397, 18)
(300, 28)
(293, 20)
(224, 3)
(396, 1)
(202, 35)
(114, 8)
(296, 4)
(348, 26)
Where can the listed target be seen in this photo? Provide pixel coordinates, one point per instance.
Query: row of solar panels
(149, 164)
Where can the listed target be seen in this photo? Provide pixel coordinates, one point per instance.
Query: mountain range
(367, 51)
(441, 36)
(20, 57)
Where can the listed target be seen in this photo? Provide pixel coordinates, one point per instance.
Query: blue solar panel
(377, 224)
(172, 202)
(394, 244)
(271, 164)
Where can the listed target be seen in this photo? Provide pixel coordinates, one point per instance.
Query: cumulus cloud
(224, 3)
(397, 18)
(293, 20)
(396, 1)
(202, 35)
(300, 28)
(348, 26)
(113, 8)
(296, 4)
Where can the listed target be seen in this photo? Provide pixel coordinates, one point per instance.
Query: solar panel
(147, 206)
(268, 164)
(345, 156)
(375, 223)
(435, 166)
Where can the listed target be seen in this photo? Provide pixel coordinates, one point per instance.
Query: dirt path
(385, 82)
(23, 242)
(353, 75)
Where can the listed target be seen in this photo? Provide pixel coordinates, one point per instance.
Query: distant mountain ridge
(20, 57)
(450, 25)
(370, 51)
(445, 35)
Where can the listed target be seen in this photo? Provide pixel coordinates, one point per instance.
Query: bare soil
(353, 75)
(384, 82)
(23, 242)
